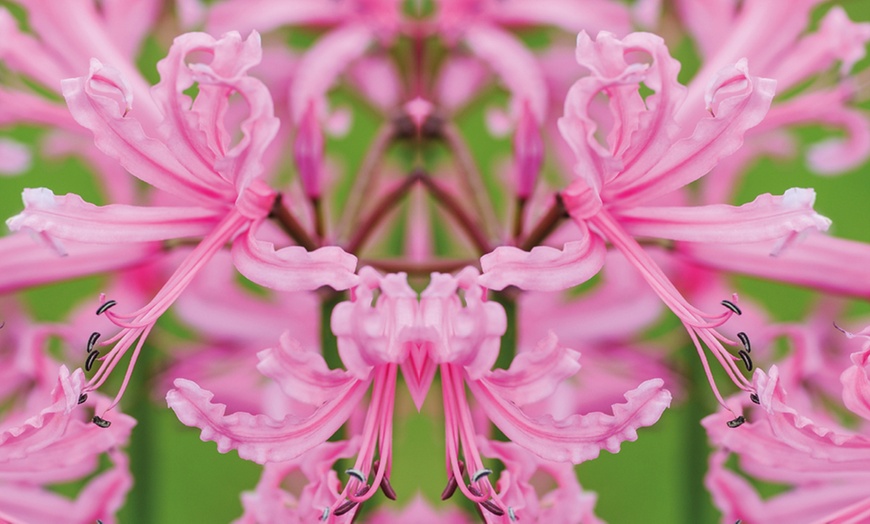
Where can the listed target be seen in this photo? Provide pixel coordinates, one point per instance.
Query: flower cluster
(516, 205)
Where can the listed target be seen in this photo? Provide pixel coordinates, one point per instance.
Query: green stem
(142, 448)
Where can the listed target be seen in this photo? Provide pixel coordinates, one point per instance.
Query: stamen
(480, 474)
(737, 422)
(492, 508)
(754, 398)
(83, 398)
(452, 483)
(92, 357)
(357, 474)
(511, 514)
(474, 491)
(107, 305)
(746, 360)
(744, 339)
(387, 488)
(350, 504)
(732, 306)
(92, 341)
(325, 514)
(103, 423)
(344, 508)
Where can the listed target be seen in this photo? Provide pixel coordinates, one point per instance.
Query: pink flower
(47, 438)
(438, 332)
(196, 162)
(793, 55)
(793, 438)
(641, 158)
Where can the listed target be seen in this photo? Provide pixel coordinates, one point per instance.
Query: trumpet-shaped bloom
(631, 154)
(196, 161)
(439, 331)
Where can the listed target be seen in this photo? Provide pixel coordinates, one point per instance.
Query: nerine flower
(795, 438)
(632, 159)
(47, 438)
(214, 179)
(439, 331)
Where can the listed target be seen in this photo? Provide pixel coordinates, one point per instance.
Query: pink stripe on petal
(819, 261)
(738, 102)
(768, 217)
(26, 262)
(580, 437)
(68, 217)
(293, 268)
(99, 102)
(302, 374)
(514, 64)
(534, 374)
(856, 384)
(258, 437)
(543, 268)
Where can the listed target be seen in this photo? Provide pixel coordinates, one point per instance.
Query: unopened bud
(528, 152)
(308, 153)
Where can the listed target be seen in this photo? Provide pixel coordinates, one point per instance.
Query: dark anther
(103, 423)
(432, 127)
(344, 508)
(99, 521)
(362, 491)
(732, 306)
(479, 474)
(107, 305)
(357, 474)
(387, 488)
(754, 398)
(744, 339)
(746, 360)
(491, 507)
(512, 514)
(452, 483)
(92, 357)
(474, 491)
(92, 341)
(83, 398)
(450, 489)
(737, 422)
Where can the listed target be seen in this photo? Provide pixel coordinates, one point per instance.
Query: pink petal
(197, 136)
(99, 102)
(543, 268)
(856, 384)
(768, 217)
(258, 437)
(580, 437)
(264, 15)
(293, 268)
(323, 63)
(514, 64)
(636, 131)
(101, 498)
(738, 102)
(534, 374)
(821, 262)
(302, 374)
(48, 425)
(26, 263)
(14, 157)
(837, 39)
(572, 16)
(69, 217)
(459, 80)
